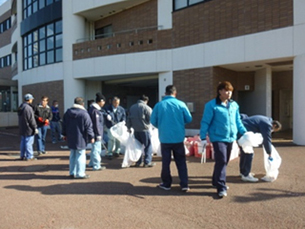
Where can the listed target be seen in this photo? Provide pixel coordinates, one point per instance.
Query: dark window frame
(188, 4)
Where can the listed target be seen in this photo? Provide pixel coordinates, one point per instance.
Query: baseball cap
(27, 97)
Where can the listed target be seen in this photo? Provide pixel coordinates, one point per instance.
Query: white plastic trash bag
(119, 131)
(250, 140)
(272, 167)
(155, 142)
(133, 151)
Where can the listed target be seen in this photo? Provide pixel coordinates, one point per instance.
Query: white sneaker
(249, 178)
(252, 174)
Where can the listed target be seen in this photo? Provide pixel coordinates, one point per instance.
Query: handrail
(104, 35)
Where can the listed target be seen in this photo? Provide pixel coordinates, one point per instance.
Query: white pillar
(165, 78)
(74, 27)
(298, 100)
(165, 8)
(263, 92)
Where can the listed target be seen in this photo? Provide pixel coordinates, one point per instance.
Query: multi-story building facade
(71, 48)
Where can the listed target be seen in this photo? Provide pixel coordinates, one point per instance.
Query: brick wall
(54, 90)
(6, 73)
(5, 37)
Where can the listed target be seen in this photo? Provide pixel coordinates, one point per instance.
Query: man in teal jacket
(170, 116)
(221, 120)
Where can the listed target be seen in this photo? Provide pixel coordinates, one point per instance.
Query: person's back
(139, 116)
(170, 116)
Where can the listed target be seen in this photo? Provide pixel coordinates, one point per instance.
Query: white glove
(203, 143)
(36, 131)
(99, 138)
(109, 118)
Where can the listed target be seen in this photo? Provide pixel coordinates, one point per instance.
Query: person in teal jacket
(170, 116)
(221, 121)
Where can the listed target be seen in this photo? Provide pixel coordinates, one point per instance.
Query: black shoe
(135, 165)
(163, 187)
(116, 154)
(43, 152)
(109, 157)
(71, 176)
(152, 164)
(84, 177)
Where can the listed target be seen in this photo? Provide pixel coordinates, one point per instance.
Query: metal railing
(113, 34)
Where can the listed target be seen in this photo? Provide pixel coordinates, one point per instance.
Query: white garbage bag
(250, 140)
(155, 142)
(133, 151)
(271, 167)
(119, 131)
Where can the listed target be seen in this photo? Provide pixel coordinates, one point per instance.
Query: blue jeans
(56, 131)
(222, 152)
(245, 162)
(180, 160)
(114, 145)
(26, 147)
(77, 166)
(95, 155)
(144, 138)
(41, 138)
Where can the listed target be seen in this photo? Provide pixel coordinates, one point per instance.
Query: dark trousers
(179, 156)
(245, 162)
(144, 138)
(222, 152)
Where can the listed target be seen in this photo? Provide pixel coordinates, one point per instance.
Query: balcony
(122, 42)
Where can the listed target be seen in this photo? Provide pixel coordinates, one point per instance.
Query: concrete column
(165, 78)
(74, 27)
(298, 97)
(263, 92)
(165, 8)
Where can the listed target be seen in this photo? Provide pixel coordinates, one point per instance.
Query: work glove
(46, 122)
(203, 143)
(99, 138)
(109, 118)
(36, 131)
(40, 119)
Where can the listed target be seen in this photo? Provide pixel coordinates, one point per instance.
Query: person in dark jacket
(114, 114)
(27, 128)
(55, 123)
(97, 118)
(77, 129)
(257, 124)
(43, 116)
(139, 120)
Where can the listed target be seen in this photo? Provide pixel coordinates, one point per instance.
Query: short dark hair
(99, 97)
(170, 90)
(276, 125)
(144, 98)
(224, 85)
(79, 101)
(44, 97)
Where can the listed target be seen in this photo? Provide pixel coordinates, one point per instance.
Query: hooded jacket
(77, 127)
(26, 119)
(170, 116)
(97, 119)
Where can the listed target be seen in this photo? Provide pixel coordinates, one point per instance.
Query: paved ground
(38, 194)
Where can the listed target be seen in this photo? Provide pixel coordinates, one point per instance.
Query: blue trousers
(144, 138)
(180, 160)
(41, 138)
(77, 166)
(56, 131)
(95, 155)
(245, 162)
(26, 147)
(222, 152)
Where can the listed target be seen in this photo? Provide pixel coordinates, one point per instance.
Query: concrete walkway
(39, 194)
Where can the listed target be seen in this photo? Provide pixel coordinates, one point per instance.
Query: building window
(103, 32)
(179, 4)
(5, 61)
(43, 46)
(5, 25)
(32, 6)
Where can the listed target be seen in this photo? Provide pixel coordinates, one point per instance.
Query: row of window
(43, 46)
(179, 4)
(5, 61)
(5, 25)
(32, 6)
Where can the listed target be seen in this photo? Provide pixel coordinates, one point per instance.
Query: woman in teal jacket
(221, 121)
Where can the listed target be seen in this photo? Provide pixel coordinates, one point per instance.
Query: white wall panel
(164, 60)
(299, 39)
(298, 12)
(269, 45)
(188, 57)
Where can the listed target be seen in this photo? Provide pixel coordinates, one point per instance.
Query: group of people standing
(221, 121)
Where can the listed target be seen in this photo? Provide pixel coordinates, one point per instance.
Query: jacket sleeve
(206, 120)
(240, 126)
(88, 126)
(50, 114)
(64, 125)
(266, 131)
(31, 119)
(187, 115)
